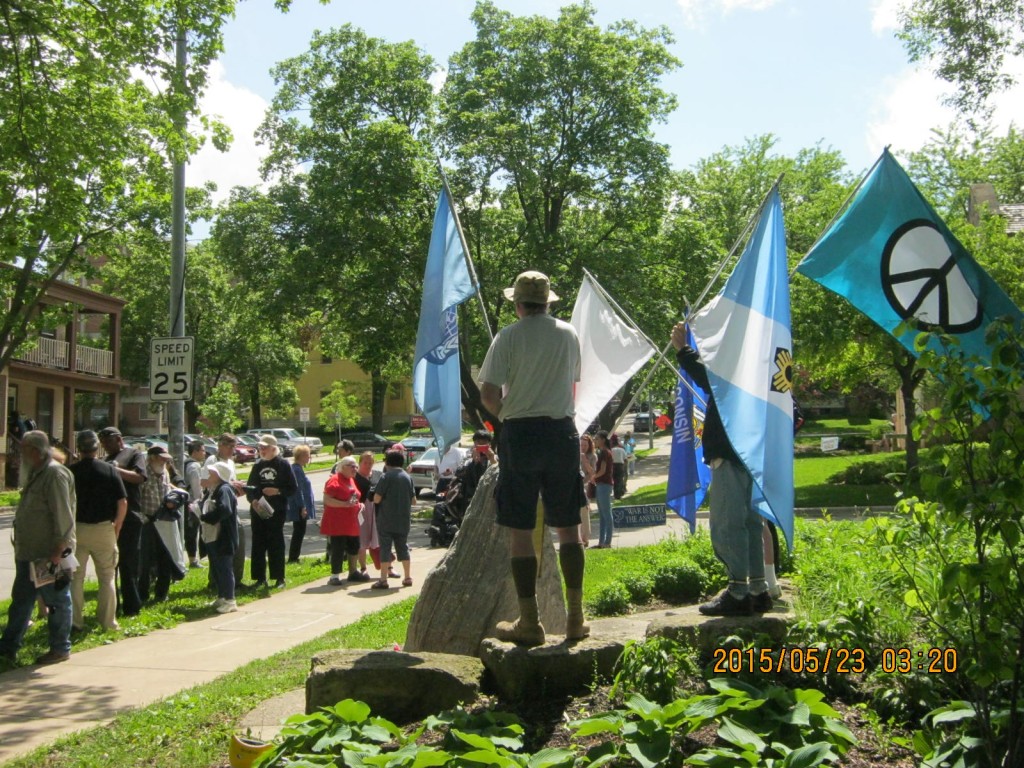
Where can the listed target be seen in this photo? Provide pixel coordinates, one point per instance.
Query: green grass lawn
(810, 475)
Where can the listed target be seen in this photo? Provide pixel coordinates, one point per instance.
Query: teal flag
(894, 259)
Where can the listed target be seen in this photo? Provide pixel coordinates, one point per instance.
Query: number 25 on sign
(170, 368)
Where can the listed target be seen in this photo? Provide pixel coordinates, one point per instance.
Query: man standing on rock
(537, 361)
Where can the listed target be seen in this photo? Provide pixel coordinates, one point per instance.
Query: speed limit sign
(170, 368)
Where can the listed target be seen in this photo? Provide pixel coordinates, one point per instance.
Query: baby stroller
(447, 516)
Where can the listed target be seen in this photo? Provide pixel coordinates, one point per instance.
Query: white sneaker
(228, 606)
(216, 603)
(775, 592)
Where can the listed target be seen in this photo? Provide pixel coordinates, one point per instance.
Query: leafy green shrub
(770, 726)
(652, 668)
(683, 582)
(889, 469)
(610, 600)
(640, 587)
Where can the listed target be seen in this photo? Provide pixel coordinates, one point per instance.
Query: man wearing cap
(271, 479)
(44, 530)
(130, 465)
(537, 362)
(101, 509)
(162, 546)
(226, 454)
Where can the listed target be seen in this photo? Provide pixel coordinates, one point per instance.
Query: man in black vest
(102, 505)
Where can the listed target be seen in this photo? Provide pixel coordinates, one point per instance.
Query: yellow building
(321, 373)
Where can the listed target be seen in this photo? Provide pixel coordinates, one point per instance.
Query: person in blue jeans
(604, 481)
(44, 532)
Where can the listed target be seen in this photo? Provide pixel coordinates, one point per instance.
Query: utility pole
(176, 408)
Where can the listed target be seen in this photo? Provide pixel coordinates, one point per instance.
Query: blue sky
(809, 71)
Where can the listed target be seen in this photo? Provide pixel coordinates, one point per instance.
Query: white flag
(611, 349)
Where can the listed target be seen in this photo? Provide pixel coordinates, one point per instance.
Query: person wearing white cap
(271, 479)
(220, 516)
(528, 381)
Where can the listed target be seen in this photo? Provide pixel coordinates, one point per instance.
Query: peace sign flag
(894, 259)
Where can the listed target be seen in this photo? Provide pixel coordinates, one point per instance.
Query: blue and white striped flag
(436, 384)
(688, 475)
(743, 336)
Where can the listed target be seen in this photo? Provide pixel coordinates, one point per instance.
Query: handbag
(209, 532)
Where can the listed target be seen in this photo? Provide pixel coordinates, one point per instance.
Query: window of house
(44, 410)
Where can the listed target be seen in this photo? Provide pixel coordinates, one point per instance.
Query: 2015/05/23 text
(815, 660)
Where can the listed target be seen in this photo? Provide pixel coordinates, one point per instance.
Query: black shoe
(279, 584)
(725, 604)
(358, 576)
(258, 585)
(761, 603)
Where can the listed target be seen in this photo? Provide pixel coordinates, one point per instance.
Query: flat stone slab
(687, 625)
(402, 687)
(265, 721)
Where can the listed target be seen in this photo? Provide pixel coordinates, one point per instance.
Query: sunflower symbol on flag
(782, 379)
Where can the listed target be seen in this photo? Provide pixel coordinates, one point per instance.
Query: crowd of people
(143, 524)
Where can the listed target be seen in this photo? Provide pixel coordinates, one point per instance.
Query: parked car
(368, 441)
(645, 422)
(209, 444)
(424, 471)
(245, 449)
(416, 445)
(284, 443)
(291, 437)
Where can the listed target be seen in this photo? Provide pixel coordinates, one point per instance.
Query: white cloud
(696, 11)
(912, 105)
(242, 111)
(438, 78)
(885, 15)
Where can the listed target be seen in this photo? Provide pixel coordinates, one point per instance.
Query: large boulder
(402, 687)
(471, 589)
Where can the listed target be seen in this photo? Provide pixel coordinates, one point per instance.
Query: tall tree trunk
(254, 403)
(471, 401)
(378, 391)
(910, 377)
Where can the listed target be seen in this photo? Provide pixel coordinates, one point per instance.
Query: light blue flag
(894, 259)
(436, 385)
(688, 475)
(743, 336)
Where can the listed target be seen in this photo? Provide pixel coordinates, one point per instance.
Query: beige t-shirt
(537, 361)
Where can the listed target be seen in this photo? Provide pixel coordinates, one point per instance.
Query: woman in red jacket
(341, 521)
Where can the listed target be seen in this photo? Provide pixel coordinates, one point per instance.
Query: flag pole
(660, 354)
(465, 248)
(732, 252)
(842, 208)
